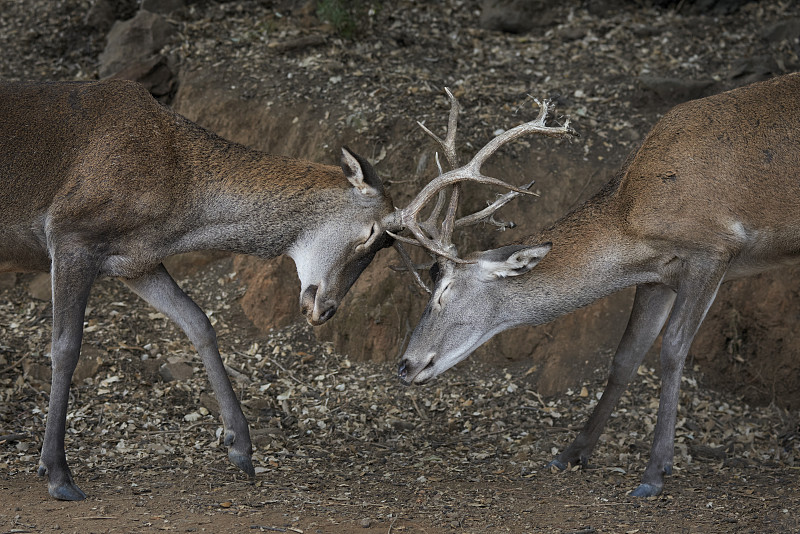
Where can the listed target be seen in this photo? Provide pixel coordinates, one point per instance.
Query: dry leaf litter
(345, 437)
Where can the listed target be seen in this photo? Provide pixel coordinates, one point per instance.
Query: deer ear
(361, 174)
(512, 260)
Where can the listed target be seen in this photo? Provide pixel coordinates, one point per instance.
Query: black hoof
(243, 462)
(646, 490)
(66, 492)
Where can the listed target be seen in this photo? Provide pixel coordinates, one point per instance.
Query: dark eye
(440, 299)
(434, 272)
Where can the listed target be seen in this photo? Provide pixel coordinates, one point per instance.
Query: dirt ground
(343, 447)
(340, 445)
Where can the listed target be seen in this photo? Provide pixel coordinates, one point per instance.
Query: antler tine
(449, 223)
(421, 240)
(448, 144)
(535, 126)
(429, 225)
(462, 174)
(472, 170)
(398, 246)
(442, 246)
(490, 210)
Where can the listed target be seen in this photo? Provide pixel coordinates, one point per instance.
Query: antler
(425, 233)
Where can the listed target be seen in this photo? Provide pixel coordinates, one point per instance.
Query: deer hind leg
(651, 307)
(160, 291)
(73, 274)
(696, 293)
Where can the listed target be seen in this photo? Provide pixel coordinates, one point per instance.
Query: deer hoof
(243, 462)
(646, 490)
(66, 492)
(557, 464)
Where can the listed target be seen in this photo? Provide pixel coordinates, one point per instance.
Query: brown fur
(99, 179)
(712, 194)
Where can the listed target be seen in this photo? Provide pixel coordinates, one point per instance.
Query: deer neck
(255, 203)
(592, 257)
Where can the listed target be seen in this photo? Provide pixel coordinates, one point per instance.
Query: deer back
(721, 173)
(106, 167)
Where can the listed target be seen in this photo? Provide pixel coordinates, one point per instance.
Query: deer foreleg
(696, 292)
(160, 291)
(72, 273)
(650, 310)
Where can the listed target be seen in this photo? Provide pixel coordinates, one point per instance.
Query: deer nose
(307, 300)
(402, 372)
(326, 312)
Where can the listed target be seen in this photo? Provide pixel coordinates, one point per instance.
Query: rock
(39, 372)
(675, 90)
(208, 402)
(88, 364)
(754, 69)
(133, 41)
(164, 7)
(155, 73)
(150, 368)
(40, 287)
(515, 16)
(100, 15)
(7, 280)
(176, 370)
(788, 30)
(274, 303)
(697, 7)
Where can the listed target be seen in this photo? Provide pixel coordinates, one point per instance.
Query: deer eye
(443, 293)
(374, 232)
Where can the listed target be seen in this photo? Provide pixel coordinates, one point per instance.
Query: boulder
(133, 41)
(673, 91)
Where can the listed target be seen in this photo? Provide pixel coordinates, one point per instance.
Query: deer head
(446, 332)
(356, 229)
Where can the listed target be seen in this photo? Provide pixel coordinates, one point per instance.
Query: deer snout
(315, 310)
(325, 312)
(410, 372)
(402, 372)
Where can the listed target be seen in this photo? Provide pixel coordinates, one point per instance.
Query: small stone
(89, 363)
(366, 522)
(180, 371)
(39, 287)
(7, 280)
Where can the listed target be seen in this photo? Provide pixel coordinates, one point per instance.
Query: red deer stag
(713, 194)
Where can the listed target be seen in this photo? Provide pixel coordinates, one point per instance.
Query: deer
(98, 179)
(712, 194)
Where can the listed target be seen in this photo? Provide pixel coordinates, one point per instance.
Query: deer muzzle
(410, 372)
(315, 307)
